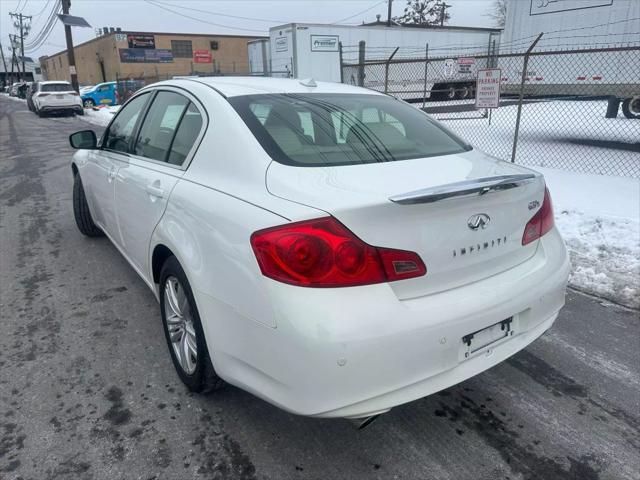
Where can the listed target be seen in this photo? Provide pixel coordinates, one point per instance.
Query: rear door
(161, 152)
(100, 171)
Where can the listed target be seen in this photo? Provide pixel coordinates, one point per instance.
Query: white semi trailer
(313, 51)
(588, 48)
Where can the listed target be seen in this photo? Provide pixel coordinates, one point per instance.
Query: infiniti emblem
(478, 221)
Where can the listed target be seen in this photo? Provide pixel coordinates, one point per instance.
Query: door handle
(155, 191)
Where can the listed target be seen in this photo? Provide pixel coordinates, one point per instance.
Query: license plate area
(485, 338)
(60, 97)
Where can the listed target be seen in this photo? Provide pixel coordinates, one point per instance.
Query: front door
(101, 170)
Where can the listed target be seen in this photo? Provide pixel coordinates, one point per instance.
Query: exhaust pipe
(363, 422)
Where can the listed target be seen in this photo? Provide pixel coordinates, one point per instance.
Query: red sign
(202, 56)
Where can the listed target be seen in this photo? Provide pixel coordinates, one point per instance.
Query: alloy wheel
(179, 324)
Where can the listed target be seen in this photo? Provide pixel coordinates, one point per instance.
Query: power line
(46, 31)
(202, 21)
(266, 20)
(359, 13)
(43, 9)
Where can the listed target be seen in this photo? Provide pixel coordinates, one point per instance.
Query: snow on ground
(558, 134)
(100, 116)
(15, 99)
(599, 218)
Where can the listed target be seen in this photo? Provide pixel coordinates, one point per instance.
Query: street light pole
(390, 3)
(66, 5)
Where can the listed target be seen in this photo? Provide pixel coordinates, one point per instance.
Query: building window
(214, 45)
(181, 48)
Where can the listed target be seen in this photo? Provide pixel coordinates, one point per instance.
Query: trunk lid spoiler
(478, 186)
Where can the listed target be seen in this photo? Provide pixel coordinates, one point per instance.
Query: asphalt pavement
(88, 391)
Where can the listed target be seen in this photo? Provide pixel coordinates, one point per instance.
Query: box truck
(306, 50)
(259, 56)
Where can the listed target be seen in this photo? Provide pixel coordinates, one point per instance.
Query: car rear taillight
(541, 222)
(75, 94)
(324, 253)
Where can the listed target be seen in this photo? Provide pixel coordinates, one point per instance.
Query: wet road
(87, 389)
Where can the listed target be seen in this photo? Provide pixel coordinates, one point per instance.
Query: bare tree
(424, 12)
(498, 12)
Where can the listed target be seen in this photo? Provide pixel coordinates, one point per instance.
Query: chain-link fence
(580, 109)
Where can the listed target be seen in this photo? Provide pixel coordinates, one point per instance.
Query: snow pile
(599, 218)
(101, 115)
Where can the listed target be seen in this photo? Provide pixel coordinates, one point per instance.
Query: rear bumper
(61, 108)
(355, 352)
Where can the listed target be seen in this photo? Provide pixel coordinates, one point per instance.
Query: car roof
(235, 86)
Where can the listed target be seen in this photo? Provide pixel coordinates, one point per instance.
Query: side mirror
(86, 139)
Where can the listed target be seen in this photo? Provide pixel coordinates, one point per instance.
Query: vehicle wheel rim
(88, 103)
(451, 94)
(180, 326)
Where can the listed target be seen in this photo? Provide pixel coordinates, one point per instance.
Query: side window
(394, 122)
(261, 111)
(307, 124)
(118, 137)
(186, 135)
(370, 115)
(159, 126)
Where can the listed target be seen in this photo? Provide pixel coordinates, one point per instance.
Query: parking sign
(488, 88)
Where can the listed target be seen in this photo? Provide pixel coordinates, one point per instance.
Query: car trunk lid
(464, 214)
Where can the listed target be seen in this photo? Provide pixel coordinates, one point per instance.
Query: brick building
(146, 54)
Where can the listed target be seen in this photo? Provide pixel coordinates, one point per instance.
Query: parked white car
(56, 97)
(328, 248)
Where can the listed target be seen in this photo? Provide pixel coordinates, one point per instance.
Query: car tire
(40, 113)
(81, 211)
(183, 330)
(626, 108)
(88, 103)
(80, 112)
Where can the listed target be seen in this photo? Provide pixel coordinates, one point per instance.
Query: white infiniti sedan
(328, 248)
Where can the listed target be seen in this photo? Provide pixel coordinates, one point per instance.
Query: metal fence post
(361, 60)
(386, 70)
(426, 66)
(341, 62)
(521, 96)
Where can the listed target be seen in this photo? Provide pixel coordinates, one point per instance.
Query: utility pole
(443, 12)
(14, 59)
(22, 28)
(66, 5)
(4, 63)
(390, 3)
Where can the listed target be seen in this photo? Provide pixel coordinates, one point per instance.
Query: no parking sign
(488, 88)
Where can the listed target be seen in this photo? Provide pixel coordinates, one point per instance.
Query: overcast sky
(141, 15)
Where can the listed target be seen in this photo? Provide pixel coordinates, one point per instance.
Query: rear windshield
(56, 87)
(342, 129)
